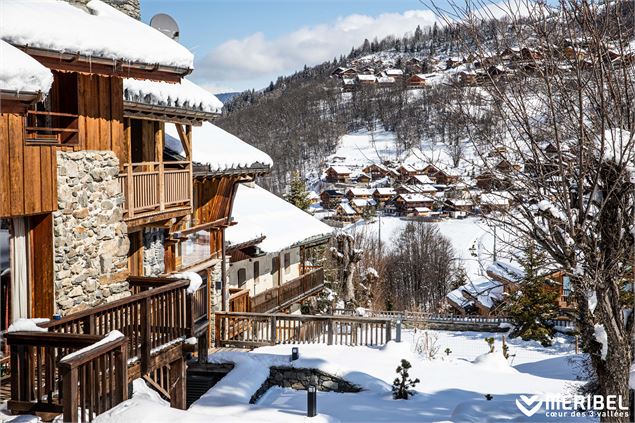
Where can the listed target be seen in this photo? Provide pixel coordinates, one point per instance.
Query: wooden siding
(28, 173)
(213, 198)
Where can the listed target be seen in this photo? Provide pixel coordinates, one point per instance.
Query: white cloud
(257, 56)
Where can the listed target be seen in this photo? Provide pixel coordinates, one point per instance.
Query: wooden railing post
(388, 335)
(121, 366)
(329, 339)
(274, 328)
(190, 311)
(146, 335)
(69, 389)
(130, 201)
(217, 330)
(161, 186)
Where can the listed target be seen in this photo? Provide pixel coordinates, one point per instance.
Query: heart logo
(526, 405)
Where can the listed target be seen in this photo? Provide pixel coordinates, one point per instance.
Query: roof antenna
(166, 25)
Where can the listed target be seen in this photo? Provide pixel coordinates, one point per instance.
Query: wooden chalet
(407, 203)
(383, 195)
(344, 73)
(461, 207)
(378, 171)
(363, 80)
(338, 174)
(362, 178)
(416, 81)
(440, 176)
(360, 193)
(330, 198)
(87, 198)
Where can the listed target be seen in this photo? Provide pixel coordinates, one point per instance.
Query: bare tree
(346, 257)
(566, 102)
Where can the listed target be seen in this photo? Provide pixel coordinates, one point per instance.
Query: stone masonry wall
(300, 379)
(90, 236)
(131, 8)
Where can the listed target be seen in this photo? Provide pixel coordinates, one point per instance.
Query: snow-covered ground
(452, 387)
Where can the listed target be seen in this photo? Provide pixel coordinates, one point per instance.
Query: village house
(393, 73)
(366, 79)
(494, 201)
(386, 81)
(330, 198)
(378, 171)
(338, 174)
(406, 171)
(416, 189)
(344, 73)
(417, 80)
(361, 178)
(270, 251)
(420, 180)
(346, 212)
(383, 195)
(89, 198)
(440, 175)
(459, 207)
(407, 203)
(361, 193)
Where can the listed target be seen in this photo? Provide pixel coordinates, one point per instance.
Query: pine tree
(298, 195)
(402, 385)
(534, 305)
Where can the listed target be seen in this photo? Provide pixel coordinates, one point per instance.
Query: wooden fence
(278, 298)
(258, 329)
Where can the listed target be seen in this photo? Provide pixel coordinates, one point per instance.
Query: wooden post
(178, 384)
(130, 200)
(203, 347)
(388, 335)
(217, 330)
(146, 335)
(329, 339)
(274, 334)
(121, 370)
(161, 186)
(189, 307)
(69, 389)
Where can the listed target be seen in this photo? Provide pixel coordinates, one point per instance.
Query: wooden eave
(201, 171)
(76, 62)
(216, 224)
(246, 244)
(166, 113)
(17, 102)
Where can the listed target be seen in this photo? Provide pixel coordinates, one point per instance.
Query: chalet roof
(416, 198)
(219, 149)
(20, 73)
(362, 77)
(505, 271)
(260, 212)
(386, 80)
(94, 31)
(360, 192)
(363, 202)
(421, 179)
(495, 199)
(393, 72)
(333, 193)
(422, 209)
(347, 209)
(184, 95)
(385, 191)
(340, 170)
(460, 202)
(421, 76)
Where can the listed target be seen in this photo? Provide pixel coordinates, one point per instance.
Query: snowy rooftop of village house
(185, 94)
(21, 73)
(260, 212)
(452, 387)
(218, 148)
(99, 31)
(357, 192)
(506, 271)
(385, 190)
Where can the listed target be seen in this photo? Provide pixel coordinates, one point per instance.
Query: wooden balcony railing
(288, 293)
(151, 187)
(239, 300)
(258, 329)
(51, 128)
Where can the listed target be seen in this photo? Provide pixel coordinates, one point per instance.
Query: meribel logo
(609, 406)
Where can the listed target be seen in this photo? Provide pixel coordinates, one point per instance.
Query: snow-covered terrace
(261, 213)
(99, 34)
(21, 76)
(219, 150)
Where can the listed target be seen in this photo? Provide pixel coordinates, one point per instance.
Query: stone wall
(131, 8)
(153, 251)
(90, 237)
(300, 379)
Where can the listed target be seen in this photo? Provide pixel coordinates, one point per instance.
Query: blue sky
(242, 44)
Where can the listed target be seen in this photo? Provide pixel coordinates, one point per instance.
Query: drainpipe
(223, 275)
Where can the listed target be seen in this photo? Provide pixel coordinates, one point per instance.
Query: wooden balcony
(51, 128)
(155, 191)
(155, 322)
(294, 291)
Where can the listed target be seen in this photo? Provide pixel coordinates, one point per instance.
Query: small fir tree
(298, 194)
(402, 386)
(533, 307)
(490, 342)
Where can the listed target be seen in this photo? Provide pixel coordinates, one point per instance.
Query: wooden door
(41, 265)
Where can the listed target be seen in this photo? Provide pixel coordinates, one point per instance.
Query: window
(256, 271)
(287, 262)
(275, 261)
(55, 120)
(566, 286)
(242, 276)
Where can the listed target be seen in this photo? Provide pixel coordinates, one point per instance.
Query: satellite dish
(166, 25)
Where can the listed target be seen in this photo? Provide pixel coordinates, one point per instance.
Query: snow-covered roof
(422, 209)
(422, 179)
(393, 72)
(185, 95)
(505, 271)
(363, 202)
(494, 199)
(386, 80)
(95, 30)
(19, 72)
(416, 198)
(218, 148)
(484, 291)
(341, 170)
(360, 192)
(347, 209)
(461, 202)
(362, 77)
(259, 212)
(385, 191)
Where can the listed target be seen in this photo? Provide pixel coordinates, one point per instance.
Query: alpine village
(456, 203)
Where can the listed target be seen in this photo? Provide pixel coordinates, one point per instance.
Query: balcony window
(195, 248)
(287, 262)
(256, 271)
(242, 277)
(55, 119)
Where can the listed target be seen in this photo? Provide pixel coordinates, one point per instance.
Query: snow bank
(112, 336)
(282, 224)
(493, 361)
(20, 72)
(27, 325)
(195, 280)
(186, 95)
(217, 148)
(100, 31)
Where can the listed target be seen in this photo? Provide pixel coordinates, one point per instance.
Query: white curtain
(19, 282)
